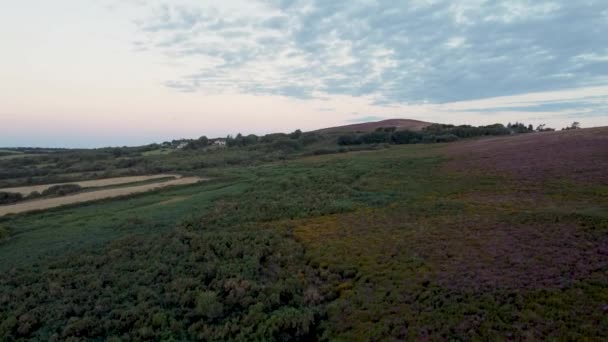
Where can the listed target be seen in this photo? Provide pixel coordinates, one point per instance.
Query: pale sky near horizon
(97, 73)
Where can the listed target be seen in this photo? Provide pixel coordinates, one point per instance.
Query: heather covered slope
(399, 243)
(577, 155)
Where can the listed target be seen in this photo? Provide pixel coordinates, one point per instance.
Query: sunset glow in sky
(106, 72)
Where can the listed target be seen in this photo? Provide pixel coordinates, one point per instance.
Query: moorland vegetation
(407, 242)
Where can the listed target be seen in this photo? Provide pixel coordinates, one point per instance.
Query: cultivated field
(97, 195)
(26, 190)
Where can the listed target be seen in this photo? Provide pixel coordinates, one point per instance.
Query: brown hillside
(401, 124)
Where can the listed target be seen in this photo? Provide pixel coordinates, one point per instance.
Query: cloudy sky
(91, 73)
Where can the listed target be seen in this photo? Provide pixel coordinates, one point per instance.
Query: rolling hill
(401, 124)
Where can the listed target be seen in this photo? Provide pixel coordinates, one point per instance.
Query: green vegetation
(435, 133)
(5, 233)
(61, 190)
(10, 197)
(289, 242)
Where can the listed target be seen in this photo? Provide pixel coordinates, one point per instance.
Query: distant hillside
(401, 124)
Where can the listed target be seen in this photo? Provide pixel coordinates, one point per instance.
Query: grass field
(160, 151)
(392, 244)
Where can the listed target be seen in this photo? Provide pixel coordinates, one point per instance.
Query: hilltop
(400, 124)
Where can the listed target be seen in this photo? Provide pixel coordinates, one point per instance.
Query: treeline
(274, 141)
(434, 133)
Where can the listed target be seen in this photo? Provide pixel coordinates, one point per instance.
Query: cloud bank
(420, 51)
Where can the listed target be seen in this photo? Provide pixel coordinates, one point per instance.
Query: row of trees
(432, 134)
(519, 127)
(280, 141)
(441, 133)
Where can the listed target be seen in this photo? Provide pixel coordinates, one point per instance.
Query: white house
(219, 142)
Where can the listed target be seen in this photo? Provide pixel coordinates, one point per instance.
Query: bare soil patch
(26, 190)
(580, 155)
(92, 196)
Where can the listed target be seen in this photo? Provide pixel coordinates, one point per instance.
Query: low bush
(61, 190)
(286, 145)
(350, 139)
(446, 138)
(406, 137)
(10, 197)
(5, 233)
(375, 137)
(310, 138)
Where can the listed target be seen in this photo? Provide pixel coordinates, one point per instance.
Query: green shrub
(349, 139)
(310, 138)
(208, 305)
(10, 197)
(286, 145)
(322, 151)
(375, 137)
(444, 138)
(5, 233)
(406, 137)
(61, 190)
(429, 139)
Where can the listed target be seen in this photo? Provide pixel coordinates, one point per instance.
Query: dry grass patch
(26, 190)
(92, 196)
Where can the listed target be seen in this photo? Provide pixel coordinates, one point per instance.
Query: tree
(117, 152)
(519, 127)
(203, 141)
(199, 143)
(296, 134)
(375, 137)
(251, 139)
(543, 128)
(208, 305)
(10, 197)
(406, 137)
(350, 139)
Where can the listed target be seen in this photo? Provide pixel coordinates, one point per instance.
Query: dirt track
(26, 190)
(92, 196)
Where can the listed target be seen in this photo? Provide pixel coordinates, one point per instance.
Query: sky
(99, 73)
